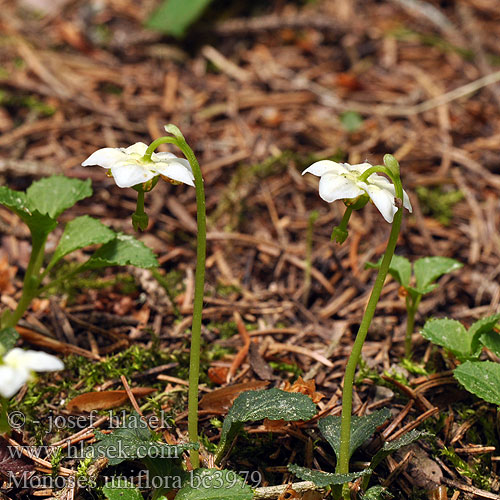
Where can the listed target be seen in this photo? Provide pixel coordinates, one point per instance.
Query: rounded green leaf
(491, 340)
(362, 428)
(399, 269)
(482, 378)
(39, 224)
(450, 334)
(120, 489)
(273, 404)
(429, 269)
(214, 484)
(124, 250)
(174, 17)
(53, 195)
(134, 440)
(79, 233)
(392, 446)
(324, 479)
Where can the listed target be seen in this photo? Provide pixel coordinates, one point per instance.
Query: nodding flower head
(341, 181)
(129, 167)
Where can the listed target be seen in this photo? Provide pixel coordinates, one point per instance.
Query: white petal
(176, 170)
(384, 183)
(359, 167)
(139, 148)
(131, 174)
(39, 361)
(162, 158)
(20, 359)
(406, 202)
(11, 380)
(325, 166)
(105, 157)
(380, 181)
(334, 187)
(383, 200)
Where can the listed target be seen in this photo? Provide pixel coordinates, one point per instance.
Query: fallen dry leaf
(221, 399)
(218, 374)
(289, 494)
(105, 400)
(7, 274)
(308, 388)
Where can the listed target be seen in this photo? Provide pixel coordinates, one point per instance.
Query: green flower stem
(376, 169)
(140, 202)
(345, 426)
(158, 142)
(411, 308)
(31, 282)
(140, 219)
(194, 361)
(4, 418)
(345, 218)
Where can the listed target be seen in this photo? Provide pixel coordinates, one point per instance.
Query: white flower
(129, 168)
(18, 366)
(340, 181)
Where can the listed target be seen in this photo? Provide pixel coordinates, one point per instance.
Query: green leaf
(174, 17)
(16, 201)
(429, 269)
(391, 446)
(124, 250)
(451, 335)
(8, 339)
(480, 327)
(362, 428)
(324, 479)
(399, 269)
(376, 493)
(120, 489)
(53, 195)
(482, 378)
(273, 404)
(133, 440)
(214, 484)
(79, 233)
(39, 224)
(351, 121)
(416, 292)
(491, 340)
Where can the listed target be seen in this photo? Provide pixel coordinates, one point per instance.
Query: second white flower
(341, 181)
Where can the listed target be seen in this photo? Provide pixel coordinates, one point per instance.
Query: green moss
(226, 290)
(365, 372)
(122, 282)
(131, 361)
(438, 203)
(413, 367)
(469, 469)
(286, 367)
(224, 329)
(30, 102)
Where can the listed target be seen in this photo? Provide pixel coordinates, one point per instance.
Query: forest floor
(259, 99)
